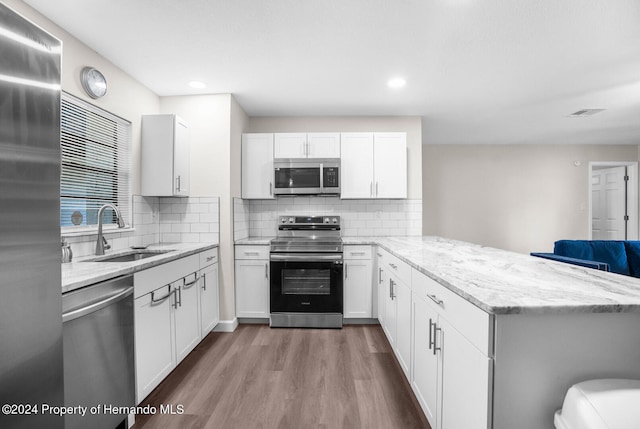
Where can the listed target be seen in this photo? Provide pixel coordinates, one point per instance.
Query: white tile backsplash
(258, 218)
(161, 220)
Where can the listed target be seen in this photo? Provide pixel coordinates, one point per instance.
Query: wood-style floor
(258, 377)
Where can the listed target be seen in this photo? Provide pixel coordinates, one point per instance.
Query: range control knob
(283, 220)
(291, 220)
(334, 220)
(326, 220)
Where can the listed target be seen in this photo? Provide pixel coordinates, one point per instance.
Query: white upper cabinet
(323, 145)
(164, 156)
(373, 165)
(307, 145)
(356, 165)
(290, 145)
(257, 166)
(390, 165)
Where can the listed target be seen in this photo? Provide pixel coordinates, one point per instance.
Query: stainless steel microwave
(305, 176)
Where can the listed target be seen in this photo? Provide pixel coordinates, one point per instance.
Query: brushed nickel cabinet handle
(435, 299)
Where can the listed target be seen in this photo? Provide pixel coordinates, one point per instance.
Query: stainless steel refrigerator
(31, 371)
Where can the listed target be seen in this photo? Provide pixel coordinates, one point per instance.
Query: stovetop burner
(308, 234)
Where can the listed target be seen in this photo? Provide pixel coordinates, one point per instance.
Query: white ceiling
(477, 71)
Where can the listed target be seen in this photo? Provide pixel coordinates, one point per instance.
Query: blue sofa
(622, 257)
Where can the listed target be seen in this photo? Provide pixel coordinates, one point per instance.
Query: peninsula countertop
(503, 282)
(81, 273)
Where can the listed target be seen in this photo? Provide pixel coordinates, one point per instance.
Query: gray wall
(515, 197)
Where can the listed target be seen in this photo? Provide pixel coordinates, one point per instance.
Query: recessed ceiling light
(196, 84)
(396, 82)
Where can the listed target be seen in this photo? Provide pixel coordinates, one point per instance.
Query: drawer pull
(379, 255)
(252, 253)
(435, 299)
(187, 285)
(210, 258)
(204, 281)
(357, 253)
(394, 266)
(155, 301)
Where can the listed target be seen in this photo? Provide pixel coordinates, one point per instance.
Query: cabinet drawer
(472, 322)
(208, 257)
(357, 252)
(147, 280)
(252, 252)
(394, 265)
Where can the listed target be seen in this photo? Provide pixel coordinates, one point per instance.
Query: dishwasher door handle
(95, 306)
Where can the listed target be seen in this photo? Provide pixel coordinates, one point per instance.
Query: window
(95, 146)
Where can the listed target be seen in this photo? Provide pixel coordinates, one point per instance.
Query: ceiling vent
(585, 112)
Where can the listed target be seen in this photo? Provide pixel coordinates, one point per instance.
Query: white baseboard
(226, 325)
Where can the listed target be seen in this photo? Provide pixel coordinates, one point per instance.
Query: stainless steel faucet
(102, 244)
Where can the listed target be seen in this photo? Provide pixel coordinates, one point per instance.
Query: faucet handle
(106, 244)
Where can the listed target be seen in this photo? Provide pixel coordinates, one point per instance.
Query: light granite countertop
(503, 282)
(256, 241)
(80, 273)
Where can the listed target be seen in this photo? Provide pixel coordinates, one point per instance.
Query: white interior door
(608, 201)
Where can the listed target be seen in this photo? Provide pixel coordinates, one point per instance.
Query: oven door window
(288, 178)
(304, 281)
(310, 287)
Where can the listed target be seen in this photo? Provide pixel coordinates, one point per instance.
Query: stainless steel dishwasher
(98, 347)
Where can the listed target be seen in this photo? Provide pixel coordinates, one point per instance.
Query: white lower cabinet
(357, 288)
(154, 339)
(451, 374)
(172, 308)
(394, 314)
(165, 320)
(187, 323)
(424, 378)
(252, 281)
(209, 292)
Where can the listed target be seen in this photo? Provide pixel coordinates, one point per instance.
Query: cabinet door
(465, 381)
(181, 158)
(209, 299)
(382, 292)
(187, 324)
(424, 375)
(390, 312)
(252, 288)
(257, 166)
(403, 325)
(357, 288)
(154, 344)
(323, 145)
(390, 165)
(356, 165)
(290, 145)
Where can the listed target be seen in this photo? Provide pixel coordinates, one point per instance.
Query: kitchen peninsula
(503, 335)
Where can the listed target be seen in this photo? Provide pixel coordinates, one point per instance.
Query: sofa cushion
(610, 251)
(633, 257)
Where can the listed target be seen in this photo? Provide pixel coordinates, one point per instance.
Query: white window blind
(95, 146)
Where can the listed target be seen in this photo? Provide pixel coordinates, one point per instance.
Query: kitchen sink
(130, 256)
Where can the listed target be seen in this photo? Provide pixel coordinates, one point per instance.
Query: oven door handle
(306, 257)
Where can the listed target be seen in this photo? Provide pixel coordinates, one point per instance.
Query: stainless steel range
(306, 273)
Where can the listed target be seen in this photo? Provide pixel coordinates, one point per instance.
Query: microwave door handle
(321, 178)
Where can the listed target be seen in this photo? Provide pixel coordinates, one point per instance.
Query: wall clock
(93, 82)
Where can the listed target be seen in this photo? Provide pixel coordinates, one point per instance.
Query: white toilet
(601, 404)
